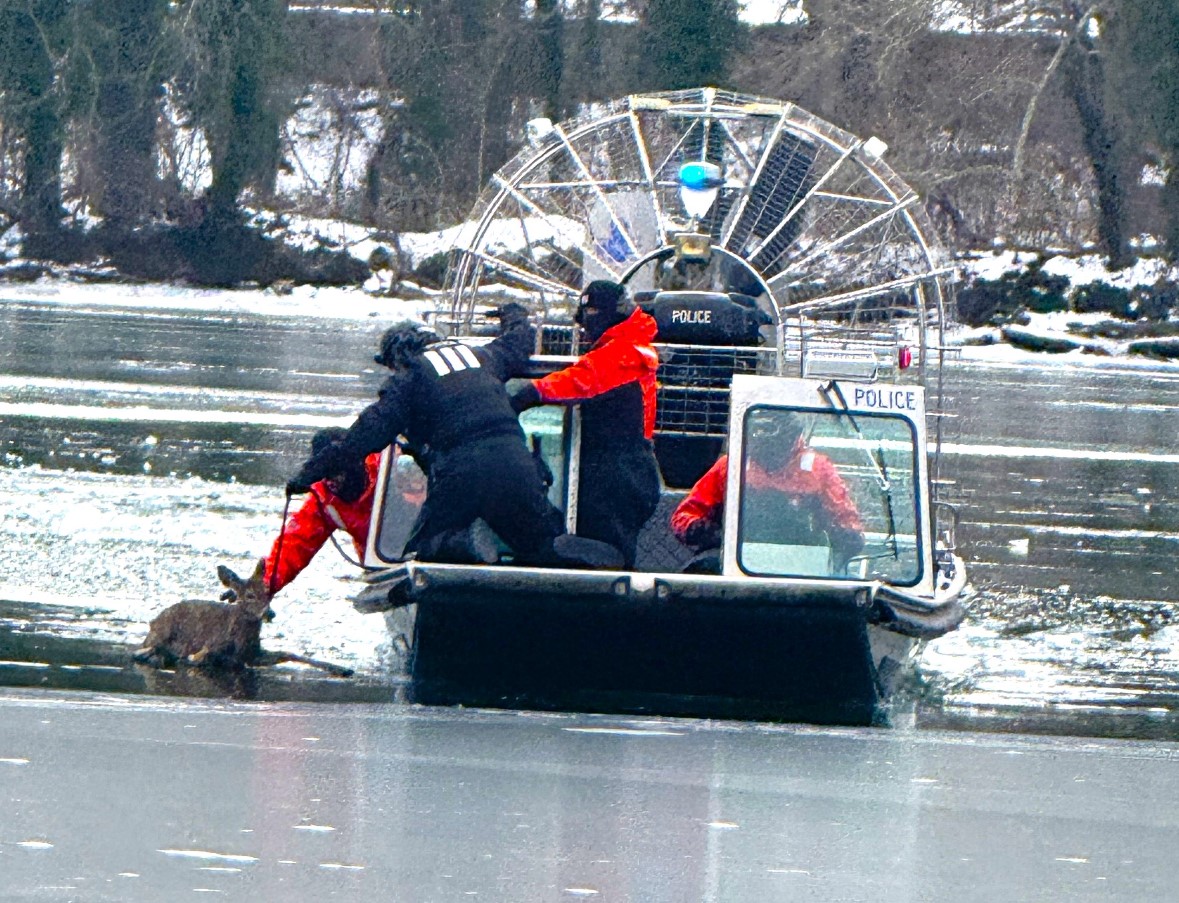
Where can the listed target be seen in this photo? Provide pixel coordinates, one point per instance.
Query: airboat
(791, 272)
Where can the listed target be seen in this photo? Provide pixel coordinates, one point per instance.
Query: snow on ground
(303, 301)
(1085, 269)
(417, 247)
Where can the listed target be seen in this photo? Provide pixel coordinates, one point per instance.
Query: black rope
(278, 548)
(332, 536)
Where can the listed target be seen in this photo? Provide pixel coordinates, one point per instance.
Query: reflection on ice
(206, 855)
(623, 731)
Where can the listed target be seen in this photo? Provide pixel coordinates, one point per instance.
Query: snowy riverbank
(358, 304)
(1071, 336)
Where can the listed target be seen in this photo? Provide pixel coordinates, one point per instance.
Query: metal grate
(694, 386)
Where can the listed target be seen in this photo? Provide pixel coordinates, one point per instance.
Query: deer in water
(224, 634)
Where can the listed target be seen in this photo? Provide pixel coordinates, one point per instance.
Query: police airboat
(791, 272)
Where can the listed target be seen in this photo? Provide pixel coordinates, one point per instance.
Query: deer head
(252, 595)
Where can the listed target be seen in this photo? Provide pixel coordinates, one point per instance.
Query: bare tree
(1143, 37)
(118, 76)
(33, 36)
(231, 80)
(1002, 117)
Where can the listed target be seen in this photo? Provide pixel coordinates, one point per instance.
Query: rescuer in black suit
(448, 399)
(614, 382)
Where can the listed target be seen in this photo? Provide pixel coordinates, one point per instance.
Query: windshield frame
(827, 398)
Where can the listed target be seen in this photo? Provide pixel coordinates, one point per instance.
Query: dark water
(141, 447)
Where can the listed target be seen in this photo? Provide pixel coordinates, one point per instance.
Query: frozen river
(143, 445)
(140, 798)
(145, 442)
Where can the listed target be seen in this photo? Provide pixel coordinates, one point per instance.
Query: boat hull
(669, 646)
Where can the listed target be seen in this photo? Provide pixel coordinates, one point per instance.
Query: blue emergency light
(699, 184)
(701, 176)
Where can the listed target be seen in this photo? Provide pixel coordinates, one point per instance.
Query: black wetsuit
(615, 384)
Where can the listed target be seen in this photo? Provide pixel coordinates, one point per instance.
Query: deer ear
(259, 571)
(228, 577)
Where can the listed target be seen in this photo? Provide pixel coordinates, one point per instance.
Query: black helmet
(776, 423)
(402, 341)
(773, 435)
(605, 296)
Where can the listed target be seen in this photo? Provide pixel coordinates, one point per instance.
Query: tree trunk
(1104, 142)
(550, 59)
(125, 46)
(249, 121)
(31, 111)
(581, 80)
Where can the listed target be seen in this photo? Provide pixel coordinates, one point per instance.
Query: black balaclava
(603, 304)
(349, 484)
(325, 438)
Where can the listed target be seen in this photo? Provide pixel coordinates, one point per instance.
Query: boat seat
(658, 550)
(705, 318)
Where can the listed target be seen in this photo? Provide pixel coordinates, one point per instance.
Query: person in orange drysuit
(810, 482)
(614, 382)
(342, 502)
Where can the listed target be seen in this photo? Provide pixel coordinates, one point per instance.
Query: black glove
(312, 471)
(525, 397)
(297, 486)
(845, 545)
(510, 315)
(702, 534)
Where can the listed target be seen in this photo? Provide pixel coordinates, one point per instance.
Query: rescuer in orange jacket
(614, 382)
(343, 502)
(449, 400)
(809, 481)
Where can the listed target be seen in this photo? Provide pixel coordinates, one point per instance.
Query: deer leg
(277, 658)
(199, 656)
(145, 654)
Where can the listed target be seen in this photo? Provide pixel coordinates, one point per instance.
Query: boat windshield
(400, 501)
(828, 494)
